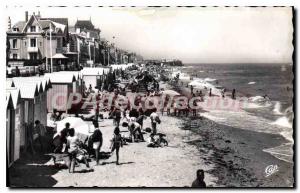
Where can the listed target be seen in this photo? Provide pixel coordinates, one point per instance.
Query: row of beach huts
(30, 98)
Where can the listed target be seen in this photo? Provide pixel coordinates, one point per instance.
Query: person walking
(117, 143)
(97, 140)
(117, 116)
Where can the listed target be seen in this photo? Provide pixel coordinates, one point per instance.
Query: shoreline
(238, 154)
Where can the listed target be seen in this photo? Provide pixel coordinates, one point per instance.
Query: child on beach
(117, 143)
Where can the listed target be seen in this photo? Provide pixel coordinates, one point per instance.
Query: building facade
(35, 41)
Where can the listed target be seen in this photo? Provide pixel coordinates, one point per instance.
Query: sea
(268, 87)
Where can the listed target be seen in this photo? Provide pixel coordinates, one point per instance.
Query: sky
(193, 35)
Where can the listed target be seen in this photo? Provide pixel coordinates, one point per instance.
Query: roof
(59, 56)
(94, 71)
(60, 77)
(15, 95)
(8, 100)
(20, 25)
(9, 82)
(43, 83)
(28, 89)
(45, 23)
(77, 74)
(121, 66)
(63, 21)
(84, 24)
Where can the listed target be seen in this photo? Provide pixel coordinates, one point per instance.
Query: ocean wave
(277, 108)
(283, 152)
(258, 102)
(283, 122)
(251, 82)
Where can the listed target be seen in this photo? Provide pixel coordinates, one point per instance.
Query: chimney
(26, 16)
(9, 23)
(38, 16)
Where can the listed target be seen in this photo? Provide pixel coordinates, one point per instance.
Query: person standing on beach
(192, 89)
(117, 116)
(117, 143)
(210, 92)
(154, 120)
(199, 182)
(233, 94)
(97, 140)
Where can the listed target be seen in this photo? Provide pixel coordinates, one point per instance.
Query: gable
(32, 22)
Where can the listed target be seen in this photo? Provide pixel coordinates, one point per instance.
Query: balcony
(32, 49)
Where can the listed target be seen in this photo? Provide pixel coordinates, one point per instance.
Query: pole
(51, 60)
(90, 50)
(108, 56)
(104, 57)
(46, 52)
(94, 51)
(78, 51)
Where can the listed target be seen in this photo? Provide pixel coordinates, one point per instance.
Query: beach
(230, 154)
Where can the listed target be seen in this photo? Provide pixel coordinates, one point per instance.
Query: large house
(36, 41)
(85, 41)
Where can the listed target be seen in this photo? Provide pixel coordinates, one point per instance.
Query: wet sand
(238, 155)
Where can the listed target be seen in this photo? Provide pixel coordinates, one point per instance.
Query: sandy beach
(140, 165)
(230, 157)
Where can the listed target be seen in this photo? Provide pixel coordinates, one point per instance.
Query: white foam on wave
(244, 120)
(277, 108)
(257, 99)
(283, 122)
(283, 152)
(210, 79)
(206, 84)
(251, 82)
(258, 102)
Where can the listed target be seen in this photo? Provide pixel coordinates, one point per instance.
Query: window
(15, 29)
(33, 56)
(14, 42)
(15, 56)
(25, 43)
(32, 28)
(33, 42)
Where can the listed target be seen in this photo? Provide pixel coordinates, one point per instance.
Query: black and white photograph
(150, 97)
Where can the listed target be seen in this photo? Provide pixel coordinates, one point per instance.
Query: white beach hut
(62, 87)
(90, 75)
(40, 103)
(14, 120)
(30, 108)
